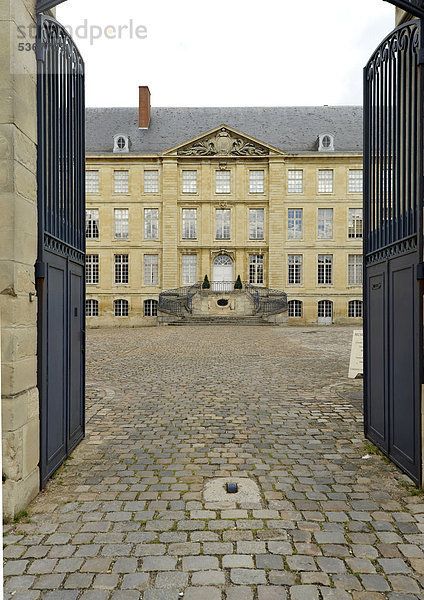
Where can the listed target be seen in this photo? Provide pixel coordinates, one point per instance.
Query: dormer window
(121, 143)
(325, 143)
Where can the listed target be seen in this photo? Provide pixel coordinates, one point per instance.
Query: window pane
(92, 182)
(355, 269)
(295, 181)
(120, 308)
(151, 182)
(222, 219)
(325, 180)
(189, 269)
(325, 223)
(256, 268)
(92, 223)
(151, 269)
(355, 223)
(256, 182)
(121, 184)
(91, 308)
(121, 223)
(121, 268)
(189, 182)
(92, 268)
(295, 308)
(189, 223)
(325, 308)
(325, 268)
(256, 224)
(295, 262)
(294, 224)
(223, 182)
(150, 308)
(355, 181)
(151, 223)
(355, 309)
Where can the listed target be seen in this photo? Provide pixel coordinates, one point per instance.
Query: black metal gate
(393, 193)
(61, 244)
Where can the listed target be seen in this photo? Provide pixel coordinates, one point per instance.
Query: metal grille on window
(121, 182)
(325, 181)
(121, 268)
(151, 223)
(325, 268)
(92, 223)
(294, 223)
(121, 223)
(120, 308)
(91, 308)
(256, 224)
(325, 308)
(92, 268)
(355, 181)
(355, 269)
(355, 309)
(189, 182)
(295, 181)
(223, 182)
(295, 308)
(189, 265)
(92, 182)
(150, 308)
(223, 217)
(256, 268)
(151, 269)
(355, 223)
(189, 223)
(256, 182)
(151, 182)
(325, 223)
(295, 268)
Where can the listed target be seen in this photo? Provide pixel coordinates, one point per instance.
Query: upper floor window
(189, 268)
(295, 181)
(256, 268)
(151, 269)
(355, 269)
(325, 223)
(325, 142)
(151, 223)
(325, 269)
(121, 182)
(256, 224)
(256, 182)
(92, 268)
(355, 181)
(325, 181)
(92, 223)
(151, 182)
(190, 182)
(121, 268)
(189, 223)
(223, 182)
(91, 308)
(295, 269)
(222, 219)
(121, 143)
(92, 182)
(355, 223)
(120, 308)
(294, 224)
(121, 223)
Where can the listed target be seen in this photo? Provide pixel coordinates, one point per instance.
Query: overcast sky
(227, 52)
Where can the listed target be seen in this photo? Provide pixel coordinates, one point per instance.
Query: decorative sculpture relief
(223, 144)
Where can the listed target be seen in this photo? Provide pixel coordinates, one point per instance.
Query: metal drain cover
(247, 490)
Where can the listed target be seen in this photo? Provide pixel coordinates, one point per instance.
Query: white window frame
(124, 307)
(355, 185)
(151, 181)
(151, 223)
(121, 182)
(92, 181)
(92, 269)
(121, 269)
(295, 269)
(355, 309)
(295, 309)
(355, 223)
(325, 308)
(256, 268)
(325, 269)
(256, 181)
(151, 269)
(325, 181)
(189, 269)
(121, 223)
(222, 223)
(223, 181)
(92, 223)
(189, 223)
(150, 308)
(295, 223)
(91, 307)
(189, 181)
(325, 223)
(256, 223)
(295, 181)
(354, 273)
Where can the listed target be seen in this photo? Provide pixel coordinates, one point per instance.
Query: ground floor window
(150, 308)
(120, 308)
(325, 309)
(295, 308)
(256, 268)
(355, 309)
(91, 308)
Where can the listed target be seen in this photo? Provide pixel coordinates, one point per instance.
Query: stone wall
(239, 304)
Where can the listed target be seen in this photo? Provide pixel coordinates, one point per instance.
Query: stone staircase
(215, 320)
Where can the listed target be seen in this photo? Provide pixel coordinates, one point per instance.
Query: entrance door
(325, 312)
(222, 274)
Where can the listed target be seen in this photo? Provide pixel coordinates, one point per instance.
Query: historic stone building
(271, 194)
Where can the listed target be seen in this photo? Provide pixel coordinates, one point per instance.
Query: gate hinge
(420, 271)
(39, 270)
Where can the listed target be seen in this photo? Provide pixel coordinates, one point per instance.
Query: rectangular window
(222, 220)
(355, 309)
(223, 182)
(92, 182)
(151, 223)
(189, 269)
(325, 181)
(151, 269)
(325, 269)
(294, 224)
(325, 223)
(120, 308)
(121, 182)
(355, 181)
(189, 182)
(121, 223)
(189, 223)
(355, 223)
(92, 268)
(256, 182)
(121, 268)
(151, 182)
(295, 269)
(92, 223)
(295, 181)
(295, 308)
(256, 224)
(256, 268)
(355, 269)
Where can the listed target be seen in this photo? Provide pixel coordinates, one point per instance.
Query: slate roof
(290, 129)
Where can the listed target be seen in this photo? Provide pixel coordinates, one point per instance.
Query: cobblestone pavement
(169, 409)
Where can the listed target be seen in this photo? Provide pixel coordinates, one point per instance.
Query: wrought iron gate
(393, 195)
(61, 244)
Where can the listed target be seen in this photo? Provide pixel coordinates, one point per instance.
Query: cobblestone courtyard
(168, 410)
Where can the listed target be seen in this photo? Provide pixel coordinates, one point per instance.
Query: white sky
(230, 52)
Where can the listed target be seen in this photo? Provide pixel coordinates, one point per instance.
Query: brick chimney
(144, 107)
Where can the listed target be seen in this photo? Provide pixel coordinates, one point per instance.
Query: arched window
(91, 308)
(325, 312)
(223, 259)
(355, 309)
(121, 143)
(295, 308)
(325, 142)
(120, 308)
(150, 308)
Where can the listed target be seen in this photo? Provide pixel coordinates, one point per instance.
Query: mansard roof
(290, 129)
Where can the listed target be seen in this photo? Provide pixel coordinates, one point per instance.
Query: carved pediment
(223, 143)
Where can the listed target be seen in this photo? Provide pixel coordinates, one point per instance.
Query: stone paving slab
(169, 410)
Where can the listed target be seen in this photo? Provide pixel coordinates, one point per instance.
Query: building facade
(271, 194)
